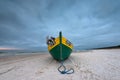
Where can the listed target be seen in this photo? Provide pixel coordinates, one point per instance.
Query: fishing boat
(60, 48)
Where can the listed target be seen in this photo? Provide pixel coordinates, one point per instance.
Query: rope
(62, 69)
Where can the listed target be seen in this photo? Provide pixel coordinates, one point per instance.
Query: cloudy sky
(24, 24)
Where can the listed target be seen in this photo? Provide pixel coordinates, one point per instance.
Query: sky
(24, 24)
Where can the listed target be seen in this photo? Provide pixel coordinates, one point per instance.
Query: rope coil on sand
(62, 69)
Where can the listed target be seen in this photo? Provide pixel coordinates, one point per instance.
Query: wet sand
(89, 65)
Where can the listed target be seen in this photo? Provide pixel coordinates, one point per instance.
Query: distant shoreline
(15, 53)
(112, 47)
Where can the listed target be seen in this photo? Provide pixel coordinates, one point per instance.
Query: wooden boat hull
(62, 48)
(56, 53)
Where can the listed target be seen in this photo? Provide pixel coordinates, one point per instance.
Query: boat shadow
(71, 60)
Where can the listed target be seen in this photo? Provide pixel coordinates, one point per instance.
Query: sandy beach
(89, 65)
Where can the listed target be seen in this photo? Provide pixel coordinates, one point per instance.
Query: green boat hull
(60, 52)
(61, 49)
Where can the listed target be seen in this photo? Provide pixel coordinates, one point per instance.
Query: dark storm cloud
(18, 27)
(26, 23)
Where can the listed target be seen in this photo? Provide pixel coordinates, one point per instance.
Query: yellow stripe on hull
(57, 42)
(65, 42)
